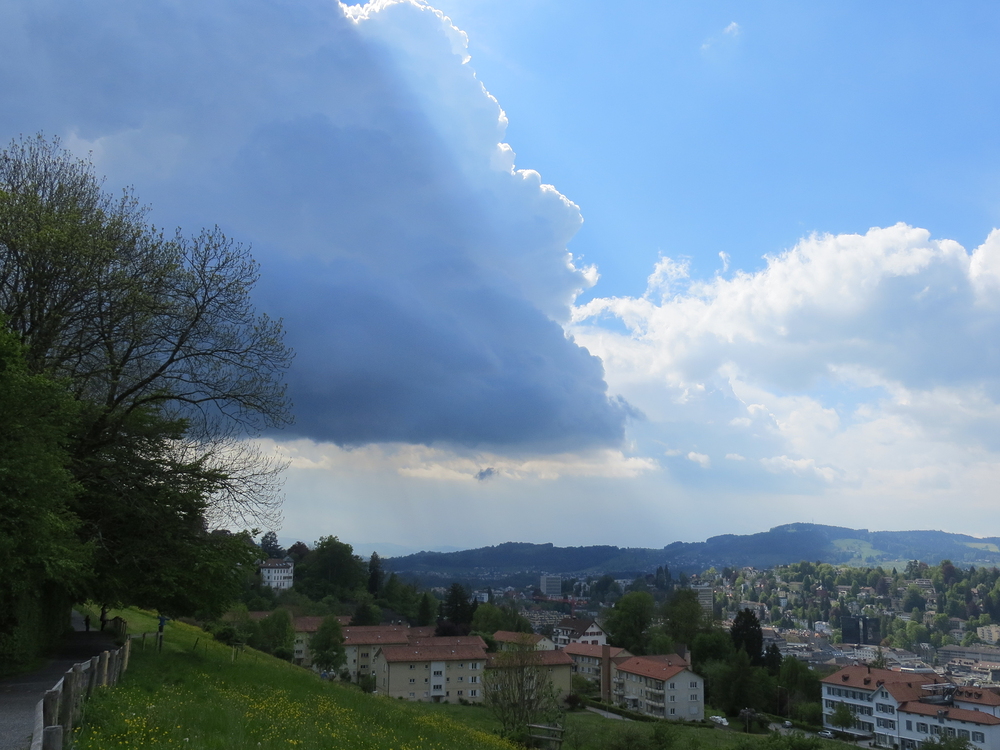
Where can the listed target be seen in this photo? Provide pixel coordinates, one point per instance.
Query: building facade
(437, 674)
(904, 709)
(660, 686)
(277, 574)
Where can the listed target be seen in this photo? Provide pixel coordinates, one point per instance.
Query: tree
(842, 716)
(375, 575)
(427, 611)
(684, 616)
(457, 608)
(156, 340)
(629, 620)
(747, 635)
(366, 612)
(270, 547)
(518, 690)
(44, 561)
(490, 618)
(327, 645)
(331, 568)
(275, 635)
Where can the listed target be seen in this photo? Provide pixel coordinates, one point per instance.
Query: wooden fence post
(92, 675)
(50, 707)
(128, 650)
(103, 680)
(79, 694)
(52, 738)
(66, 704)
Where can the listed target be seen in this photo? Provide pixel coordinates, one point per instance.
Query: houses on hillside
(578, 630)
(277, 574)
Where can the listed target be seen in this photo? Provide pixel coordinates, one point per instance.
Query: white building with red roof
(904, 709)
(662, 686)
(434, 673)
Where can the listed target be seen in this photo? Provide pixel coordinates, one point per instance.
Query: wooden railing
(62, 707)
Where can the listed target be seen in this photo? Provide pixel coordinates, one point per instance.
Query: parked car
(826, 734)
(722, 721)
(786, 724)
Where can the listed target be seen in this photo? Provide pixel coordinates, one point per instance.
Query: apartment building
(903, 709)
(661, 686)
(435, 673)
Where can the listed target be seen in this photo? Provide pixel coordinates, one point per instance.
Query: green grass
(201, 697)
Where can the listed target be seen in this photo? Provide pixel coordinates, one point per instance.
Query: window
(921, 727)
(694, 697)
(438, 672)
(364, 654)
(474, 678)
(413, 695)
(935, 729)
(950, 731)
(694, 683)
(460, 678)
(909, 725)
(963, 733)
(413, 666)
(474, 665)
(459, 692)
(673, 685)
(437, 687)
(978, 737)
(673, 711)
(412, 680)
(673, 698)
(473, 693)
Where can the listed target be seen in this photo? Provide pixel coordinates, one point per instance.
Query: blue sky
(560, 272)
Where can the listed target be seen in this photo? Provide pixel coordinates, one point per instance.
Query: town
(893, 656)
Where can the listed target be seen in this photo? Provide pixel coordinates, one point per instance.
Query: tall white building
(551, 586)
(277, 574)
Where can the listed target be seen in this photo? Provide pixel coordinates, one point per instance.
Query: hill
(781, 545)
(198, 693)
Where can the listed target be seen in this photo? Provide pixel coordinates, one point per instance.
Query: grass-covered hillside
(198, 694)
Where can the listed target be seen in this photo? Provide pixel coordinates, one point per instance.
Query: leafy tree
(629, 620)
(427, 611)
(684, 616)
(270, 547)
(275, 634)
(298, 551)
(44, 562)
(327, 645)
(490, 618)
(715, 645)
(518, 690)
(914, 599)
(157, 341)
(331, 568)
(366, 612)
(457, 608)
(375, 575)
(842, 716)
(747, 635)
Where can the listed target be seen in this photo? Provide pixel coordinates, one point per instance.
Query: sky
(560, 272)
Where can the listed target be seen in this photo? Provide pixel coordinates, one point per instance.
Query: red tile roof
(542, 658)
(979, 696)
(650, 667)
(369, 635)
(449, 640)
(432, 653)
(950, 712)
(509, 636)
(590, 649)
(865, 678)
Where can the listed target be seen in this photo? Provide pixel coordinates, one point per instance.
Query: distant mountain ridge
(779, 546)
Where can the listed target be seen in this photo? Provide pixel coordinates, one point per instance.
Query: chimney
(606, 673)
